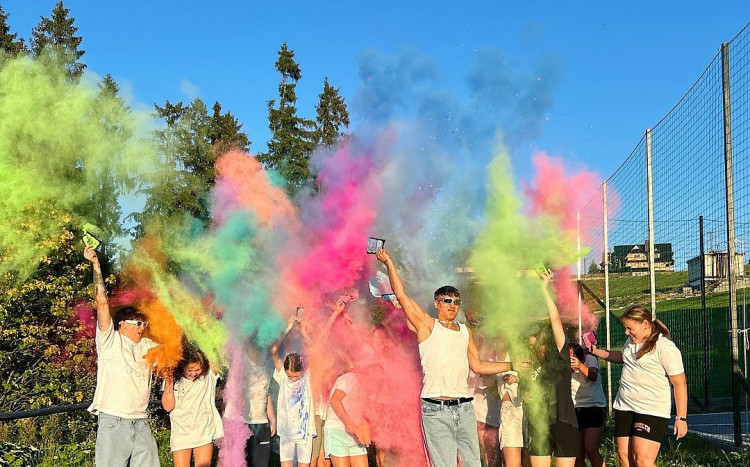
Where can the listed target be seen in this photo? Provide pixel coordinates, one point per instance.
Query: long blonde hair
(639, 314)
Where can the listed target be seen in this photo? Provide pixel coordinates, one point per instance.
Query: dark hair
(578, 351)
(191, 355)
(128, 312)
(447, 290)
(639, 314)
(293, 362)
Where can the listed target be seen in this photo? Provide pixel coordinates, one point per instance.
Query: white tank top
(445, 362)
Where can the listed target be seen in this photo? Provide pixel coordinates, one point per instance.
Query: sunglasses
(136, 323)
(448, 301)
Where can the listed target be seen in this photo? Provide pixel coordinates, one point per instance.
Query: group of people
(462, 424)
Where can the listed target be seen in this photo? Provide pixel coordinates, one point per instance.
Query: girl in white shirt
(643, 404)
(191, 403)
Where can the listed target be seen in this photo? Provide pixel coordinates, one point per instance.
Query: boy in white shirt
(123, 382)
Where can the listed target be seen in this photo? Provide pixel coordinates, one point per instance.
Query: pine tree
(293, 137)
(225, 132)
(9, 42)
(56, 36)
(190, 145)
(332, 115)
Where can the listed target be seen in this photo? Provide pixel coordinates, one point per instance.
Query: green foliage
(56, 36)
(46, 357)
(293, 138)
(331, 115)
(189, 146)
(9, 42)
(593, 268)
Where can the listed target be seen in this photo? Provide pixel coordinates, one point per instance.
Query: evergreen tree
(225, 132)
(332, 115)
(56, 36)
(190, 144)
(293, 137)
(9, 42)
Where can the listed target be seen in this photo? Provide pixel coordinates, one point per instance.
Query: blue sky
(612, 69)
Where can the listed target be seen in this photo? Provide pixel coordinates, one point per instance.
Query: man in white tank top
(447, 351)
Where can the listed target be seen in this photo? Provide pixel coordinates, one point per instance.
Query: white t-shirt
(644, 383)
(348, 384)
(195, 419)
(486, 404)
(511, 389)
(256, 393)
(587, 393)
(295, 412)
(123, 376)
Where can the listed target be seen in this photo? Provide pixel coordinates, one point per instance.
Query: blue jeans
(451, 433)
(122, 440)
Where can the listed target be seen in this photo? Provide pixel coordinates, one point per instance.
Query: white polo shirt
(123, 376)
(644, 383)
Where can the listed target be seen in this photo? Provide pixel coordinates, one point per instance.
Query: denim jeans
(451, 433)
(122, 441)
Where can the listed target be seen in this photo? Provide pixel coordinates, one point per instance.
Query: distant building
(634, 258)
(716, 267)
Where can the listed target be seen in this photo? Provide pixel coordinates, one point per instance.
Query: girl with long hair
(652, 362)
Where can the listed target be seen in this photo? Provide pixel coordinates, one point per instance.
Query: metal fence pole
(578, 266)
(650, 189)
(705, 316)
(729, 187)
(606, 296)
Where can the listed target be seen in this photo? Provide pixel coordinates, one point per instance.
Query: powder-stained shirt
(348, 384)
(123, 376)
(295, 418)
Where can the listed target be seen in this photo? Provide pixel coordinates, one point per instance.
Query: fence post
(606, 295)
(578, 267)
(705, 316)
(650, 189)
(729, 187)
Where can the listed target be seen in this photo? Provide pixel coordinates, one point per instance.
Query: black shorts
(590, 417)
(629, 424)
(563, 441)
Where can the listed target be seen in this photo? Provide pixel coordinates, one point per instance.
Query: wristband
(677, 419)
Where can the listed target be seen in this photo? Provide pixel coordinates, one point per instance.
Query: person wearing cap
(447, 351)
(123, 382)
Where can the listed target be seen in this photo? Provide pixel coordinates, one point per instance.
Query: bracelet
(677, 419)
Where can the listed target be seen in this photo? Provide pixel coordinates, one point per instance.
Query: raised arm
(483, 367)
(554, 314)
(103, 316)
(278, 363)
(414, 313)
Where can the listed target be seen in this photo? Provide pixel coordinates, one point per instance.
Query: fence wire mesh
(691, 255)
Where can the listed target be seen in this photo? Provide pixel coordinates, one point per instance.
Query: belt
(449, 402)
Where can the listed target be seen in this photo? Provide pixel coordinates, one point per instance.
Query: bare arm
(167, 398)
(680, 401)
(278, 363)
(414, 313)
(614, 356)
(271, 414)
(360, 430)
(103, 316)
(554, 314)
(483, 367)
(589, 372)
